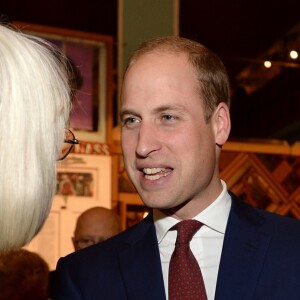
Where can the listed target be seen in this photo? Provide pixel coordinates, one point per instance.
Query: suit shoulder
(268, 220)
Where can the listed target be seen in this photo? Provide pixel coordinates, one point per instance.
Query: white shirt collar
(215, 216)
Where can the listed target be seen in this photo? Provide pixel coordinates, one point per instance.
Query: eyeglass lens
(68, 144)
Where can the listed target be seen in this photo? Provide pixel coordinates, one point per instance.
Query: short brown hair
(213, 81)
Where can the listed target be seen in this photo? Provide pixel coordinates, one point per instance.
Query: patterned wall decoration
(267, 181)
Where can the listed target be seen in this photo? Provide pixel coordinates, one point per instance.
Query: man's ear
(222, 124)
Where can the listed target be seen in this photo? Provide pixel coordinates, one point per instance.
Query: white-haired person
(35, 103)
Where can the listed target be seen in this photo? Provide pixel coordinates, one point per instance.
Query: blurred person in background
(94, 226)
(23, 275)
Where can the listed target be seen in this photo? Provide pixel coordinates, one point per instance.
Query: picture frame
(92, 55)
(59, 226)
(86, 177)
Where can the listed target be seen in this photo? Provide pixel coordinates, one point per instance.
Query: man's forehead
(161, 55)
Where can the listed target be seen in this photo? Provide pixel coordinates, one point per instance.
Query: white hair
(34, 110)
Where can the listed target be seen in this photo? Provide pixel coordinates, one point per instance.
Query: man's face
(169, 150)
(92, 229)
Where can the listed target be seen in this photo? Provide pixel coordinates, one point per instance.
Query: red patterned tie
(185, 278)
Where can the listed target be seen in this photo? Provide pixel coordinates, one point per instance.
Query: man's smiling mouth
(156, 173)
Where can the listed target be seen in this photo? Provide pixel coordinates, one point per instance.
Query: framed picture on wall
(83, 181)
(91, 56)
(85, 177)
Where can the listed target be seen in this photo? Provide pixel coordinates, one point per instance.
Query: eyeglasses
(68, 144)
(86, 242)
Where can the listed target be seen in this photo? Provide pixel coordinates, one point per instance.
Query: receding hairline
(168, 44)
(211, 74)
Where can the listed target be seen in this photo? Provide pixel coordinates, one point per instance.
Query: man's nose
(148, 140)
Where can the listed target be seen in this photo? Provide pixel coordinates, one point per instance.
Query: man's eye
(129, 121)
(87, 241)
(169, 117)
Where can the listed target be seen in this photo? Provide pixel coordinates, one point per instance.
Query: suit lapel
(243, 254)
(244, 251)
(140, 264)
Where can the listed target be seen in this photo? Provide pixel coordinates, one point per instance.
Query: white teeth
(149, 171)
(155, 177)
(155, 173)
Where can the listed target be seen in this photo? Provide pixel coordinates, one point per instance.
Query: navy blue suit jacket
(260, 261)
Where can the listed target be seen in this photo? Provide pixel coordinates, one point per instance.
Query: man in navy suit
(175, 118)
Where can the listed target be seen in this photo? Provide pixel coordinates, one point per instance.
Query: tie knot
(186, 230)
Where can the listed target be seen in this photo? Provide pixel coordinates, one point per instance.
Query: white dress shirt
(206, 244)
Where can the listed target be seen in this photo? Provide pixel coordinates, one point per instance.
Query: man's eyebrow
(127, 112)
(159, 109)
(163, 108)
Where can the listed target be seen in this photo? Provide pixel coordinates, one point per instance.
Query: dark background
(241, 32)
